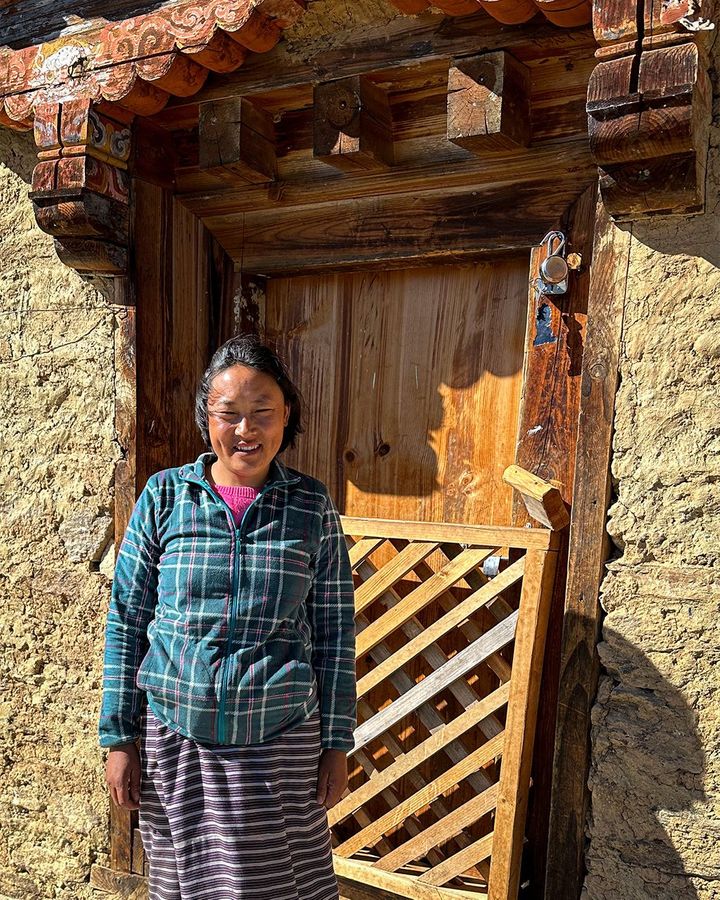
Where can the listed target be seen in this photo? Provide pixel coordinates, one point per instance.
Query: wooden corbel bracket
(352, 124)
(649, 102)
(80, 185)
(488, 103)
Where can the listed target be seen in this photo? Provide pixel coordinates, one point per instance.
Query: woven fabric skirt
(234, 823)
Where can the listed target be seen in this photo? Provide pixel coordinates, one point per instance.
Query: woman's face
(247, 415)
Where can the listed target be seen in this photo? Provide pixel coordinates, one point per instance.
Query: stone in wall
(654, 829)
(56, 430)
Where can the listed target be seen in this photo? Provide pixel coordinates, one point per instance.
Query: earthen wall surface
(655, 779)
(56, 433)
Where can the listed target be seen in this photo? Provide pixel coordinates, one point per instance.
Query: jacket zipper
(238, 534)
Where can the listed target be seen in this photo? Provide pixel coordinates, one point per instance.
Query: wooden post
(352, 125)
(488, 103)
(547, 436)
(588, 551)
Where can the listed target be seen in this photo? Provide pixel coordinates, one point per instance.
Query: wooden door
(412, 380)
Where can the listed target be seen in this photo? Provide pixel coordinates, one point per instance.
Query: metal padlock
(554, 268)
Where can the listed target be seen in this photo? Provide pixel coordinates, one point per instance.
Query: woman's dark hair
(248, 350)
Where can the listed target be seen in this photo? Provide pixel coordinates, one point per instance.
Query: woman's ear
(287, 414)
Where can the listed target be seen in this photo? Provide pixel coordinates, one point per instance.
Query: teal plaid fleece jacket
(234, 633)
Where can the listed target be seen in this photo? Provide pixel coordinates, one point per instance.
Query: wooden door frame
(157, 249)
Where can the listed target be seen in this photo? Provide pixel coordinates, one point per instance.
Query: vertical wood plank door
(412, 380)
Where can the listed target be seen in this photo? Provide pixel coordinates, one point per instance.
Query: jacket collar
(195, 472)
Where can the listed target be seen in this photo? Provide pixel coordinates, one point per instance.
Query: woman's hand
(122, 774)
(332, 777)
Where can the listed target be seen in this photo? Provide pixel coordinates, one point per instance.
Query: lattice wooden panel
(449, 661)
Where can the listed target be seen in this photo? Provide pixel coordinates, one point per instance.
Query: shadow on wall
(648, 768)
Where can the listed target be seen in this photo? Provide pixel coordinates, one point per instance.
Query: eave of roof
(140, 62)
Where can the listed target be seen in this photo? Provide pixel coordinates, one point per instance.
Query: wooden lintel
(488, 103)
(452, 225)
(237, 137)
(352, 125)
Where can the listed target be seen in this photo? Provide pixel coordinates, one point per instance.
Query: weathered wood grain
(27, 22)
(237, 139)
(488, 103)
(454, 224)
(405, 41)
(352, 124)
(547, 435)
(399, 417)
(588, 551)
(121, 884)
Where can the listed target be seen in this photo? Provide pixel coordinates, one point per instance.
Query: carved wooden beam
(237, 137)
(80, 185)
(488, 103)
(352, 125)
(649, 101)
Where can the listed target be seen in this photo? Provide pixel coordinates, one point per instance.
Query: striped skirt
(234, 823)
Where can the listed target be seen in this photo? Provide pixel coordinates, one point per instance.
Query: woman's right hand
(122, 774)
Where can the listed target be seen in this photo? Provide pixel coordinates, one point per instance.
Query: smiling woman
(247, 416)
(233, 612)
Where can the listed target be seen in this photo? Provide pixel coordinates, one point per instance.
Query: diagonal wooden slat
(442, 626)
(427, 713)
(453, 669)
(362, 548)
(391, 798)
(475, 760)
(419, 598)
(460, 862)
(497, 606)
(440, 831)
(407, 761)
(431, 719)
(388, 575)
(435, 657)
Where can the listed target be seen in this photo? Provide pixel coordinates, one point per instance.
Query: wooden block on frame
(488, 103)
(352, 124)
(237, 137)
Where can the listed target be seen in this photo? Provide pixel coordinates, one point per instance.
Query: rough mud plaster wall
(655, 777)
(56, 434)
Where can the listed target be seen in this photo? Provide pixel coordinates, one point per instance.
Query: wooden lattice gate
(451, 626)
